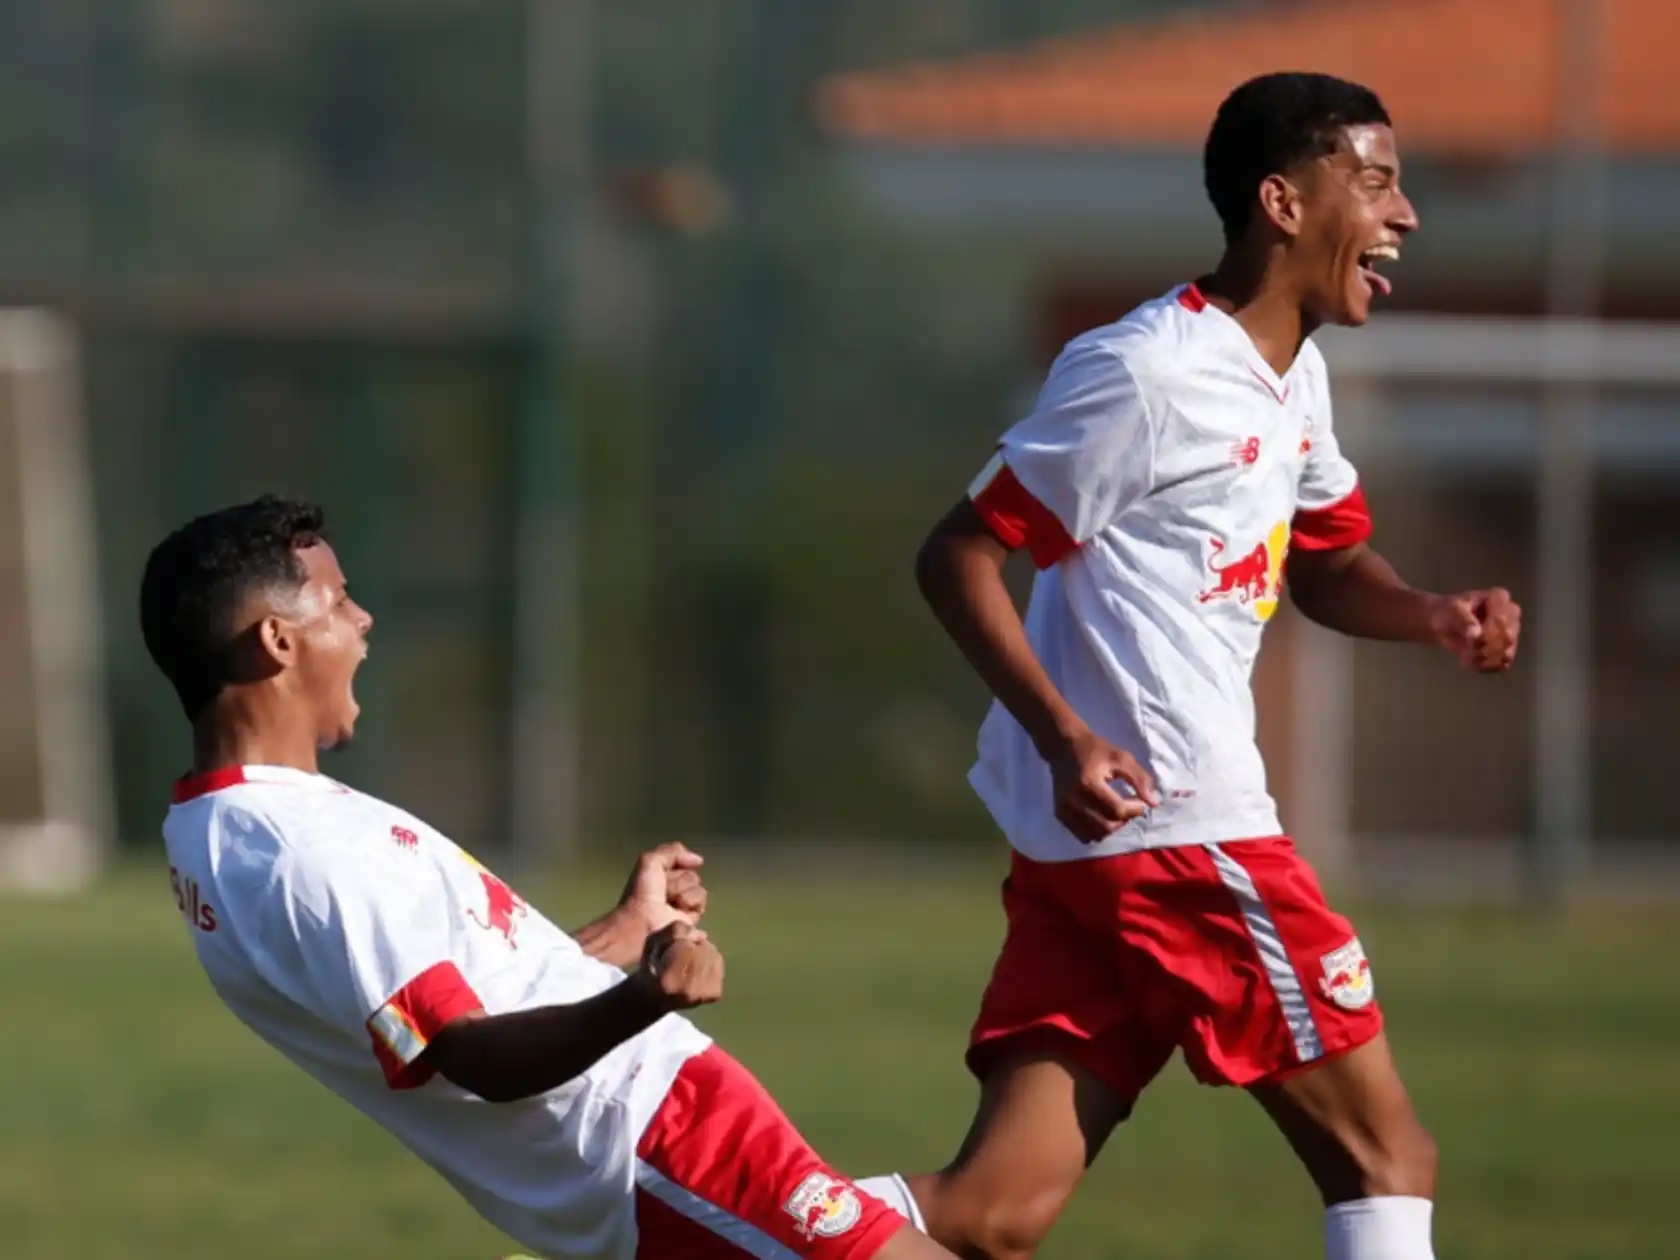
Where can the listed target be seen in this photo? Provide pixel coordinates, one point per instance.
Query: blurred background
(631, 350)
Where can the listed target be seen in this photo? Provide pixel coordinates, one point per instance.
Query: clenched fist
(665, 888)
(1087, 804)
(682, 966)
(1481, 628)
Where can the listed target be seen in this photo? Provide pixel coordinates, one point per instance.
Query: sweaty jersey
(347, 933)
(1162, 477)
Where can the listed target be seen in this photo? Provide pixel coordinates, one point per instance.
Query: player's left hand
(1481, 628)
(665, 888)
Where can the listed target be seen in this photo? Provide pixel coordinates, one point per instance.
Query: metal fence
(630, 401)
(1542, 455)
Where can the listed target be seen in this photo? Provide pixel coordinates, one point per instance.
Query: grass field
(138, 1120)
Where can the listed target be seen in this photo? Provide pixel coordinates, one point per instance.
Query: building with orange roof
(1465, 80)
(1092, 142)
(1080, 157)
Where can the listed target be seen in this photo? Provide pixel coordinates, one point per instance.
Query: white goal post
(1565, 361)
(52, 578)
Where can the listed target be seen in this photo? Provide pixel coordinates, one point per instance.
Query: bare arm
(960, 571)
(612, 938)
(503, 1058)
(520, 1054)
(1355, 591)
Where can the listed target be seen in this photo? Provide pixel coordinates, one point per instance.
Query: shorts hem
(986, 1052)
(1278, 1076)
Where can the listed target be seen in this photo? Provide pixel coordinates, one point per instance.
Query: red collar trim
(1192, 299)
(191, 786)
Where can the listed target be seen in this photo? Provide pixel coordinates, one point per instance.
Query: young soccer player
(1179, 468)
(563, 1098)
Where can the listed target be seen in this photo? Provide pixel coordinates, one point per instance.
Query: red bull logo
(503, 908)
(1347, 977)
(824, 1207)
(1254, 579)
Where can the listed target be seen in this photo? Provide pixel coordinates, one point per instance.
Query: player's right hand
(682, 967)
(1087, 803)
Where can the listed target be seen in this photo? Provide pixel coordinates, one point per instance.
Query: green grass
(139, 1120)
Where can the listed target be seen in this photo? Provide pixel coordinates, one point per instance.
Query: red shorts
(1227, 951)
(723, 1173)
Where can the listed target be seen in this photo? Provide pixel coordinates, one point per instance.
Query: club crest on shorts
(1347, 976)
(824, 1206)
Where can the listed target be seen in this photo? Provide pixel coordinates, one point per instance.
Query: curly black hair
(196, 578)
(1269, 126)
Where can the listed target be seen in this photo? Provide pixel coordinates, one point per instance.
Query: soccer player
(563, 1098)
(1178, 467)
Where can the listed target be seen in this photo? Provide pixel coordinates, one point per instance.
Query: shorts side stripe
(726, 1225)
(1262, 929)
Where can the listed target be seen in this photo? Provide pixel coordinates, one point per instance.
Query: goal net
(56, 794)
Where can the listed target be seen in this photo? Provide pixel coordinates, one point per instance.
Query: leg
(722, 1174)
(1041, 1121)
(1349, 1120)
(1066, 1040)
(1291, 1015)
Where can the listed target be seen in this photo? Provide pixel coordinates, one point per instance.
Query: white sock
(1393, 1227)
(891, 1189)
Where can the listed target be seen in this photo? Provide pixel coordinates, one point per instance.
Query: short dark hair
(1272, 124)
(196, 578)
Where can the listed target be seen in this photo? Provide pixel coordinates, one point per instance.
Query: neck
(244, 729)
(1256, 293)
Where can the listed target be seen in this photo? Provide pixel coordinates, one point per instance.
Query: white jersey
(346, 933)
(1159, 482)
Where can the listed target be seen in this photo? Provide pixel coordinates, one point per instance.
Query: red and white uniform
(347, 933)
(1159, 483)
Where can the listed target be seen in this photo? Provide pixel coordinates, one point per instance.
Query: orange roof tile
(1472, 78)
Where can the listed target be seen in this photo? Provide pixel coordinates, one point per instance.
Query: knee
(993, 1226)
(1398, 1163)
(1012, 1230)
(1006, 1231)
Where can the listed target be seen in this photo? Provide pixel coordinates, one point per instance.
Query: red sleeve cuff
(1019, 520)
(403, 1028)
(1345, 523)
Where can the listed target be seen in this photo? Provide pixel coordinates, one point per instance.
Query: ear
(1281, 201)
(277, 641)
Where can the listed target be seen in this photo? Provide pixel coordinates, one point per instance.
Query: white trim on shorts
(1268, 942)
(708, 1215)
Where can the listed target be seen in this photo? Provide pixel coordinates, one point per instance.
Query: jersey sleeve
(1084, 455)
(1331, 512)
(372, 939)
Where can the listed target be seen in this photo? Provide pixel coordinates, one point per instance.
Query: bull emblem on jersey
(503, 908)
(1254, 579)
